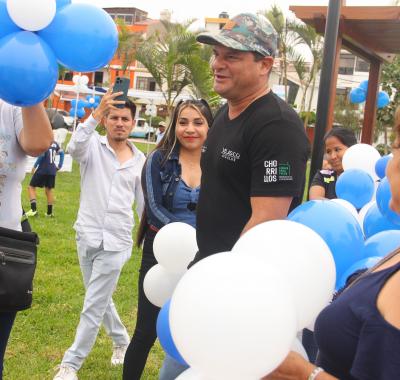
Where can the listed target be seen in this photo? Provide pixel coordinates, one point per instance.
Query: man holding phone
(110, 183)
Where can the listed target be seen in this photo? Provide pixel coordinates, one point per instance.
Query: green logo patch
(284, 170)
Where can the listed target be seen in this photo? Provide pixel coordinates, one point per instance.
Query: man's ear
(267, 63)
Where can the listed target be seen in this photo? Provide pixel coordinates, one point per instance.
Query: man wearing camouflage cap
(254, 160)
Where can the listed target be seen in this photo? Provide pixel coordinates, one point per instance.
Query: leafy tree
(347, 114)
(306, 34)
(390, 79)
(128, 43)
(282, 27)
(176, 61)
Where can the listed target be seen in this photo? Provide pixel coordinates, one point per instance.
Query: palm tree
(128, 43)
(176, 61)
(282, 27)
(306, 34)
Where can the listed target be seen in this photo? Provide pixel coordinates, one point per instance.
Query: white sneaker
(118, 355)
(66, 373)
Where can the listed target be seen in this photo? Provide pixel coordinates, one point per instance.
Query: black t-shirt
(327, 180)
(262, 152)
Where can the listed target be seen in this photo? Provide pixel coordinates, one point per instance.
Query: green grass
(42, 334)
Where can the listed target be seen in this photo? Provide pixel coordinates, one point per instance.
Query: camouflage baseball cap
(245, 32)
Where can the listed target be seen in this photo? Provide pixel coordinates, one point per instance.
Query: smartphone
(121, 84)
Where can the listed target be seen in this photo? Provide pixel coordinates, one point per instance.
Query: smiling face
(334, 150)
(119, 124)
(191, 128)
(237, 74)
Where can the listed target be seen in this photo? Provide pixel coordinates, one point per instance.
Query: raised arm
(36, 134)
(80, 140)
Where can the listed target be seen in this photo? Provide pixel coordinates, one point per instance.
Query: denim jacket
(159, 184)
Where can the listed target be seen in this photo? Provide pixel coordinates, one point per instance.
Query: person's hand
(107, 103)
(33, 171)
(294, 367)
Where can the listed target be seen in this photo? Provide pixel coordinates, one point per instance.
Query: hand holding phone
(121, 85)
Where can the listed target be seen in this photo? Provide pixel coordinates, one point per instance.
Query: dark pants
(145, 332)
(6, 322)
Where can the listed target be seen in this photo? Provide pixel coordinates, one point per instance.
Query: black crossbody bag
(17, 267)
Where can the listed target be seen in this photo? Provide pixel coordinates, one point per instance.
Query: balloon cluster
(77, 108)
(35, 35)
(92, 101)
(236, 314)
(359, 95)
(364, 192)
(248, 303)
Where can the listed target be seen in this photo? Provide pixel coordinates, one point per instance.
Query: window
(129, 19)
(346, 64)
(98, 78)
(145, 83)
(141, 83)
(362, 65)
(67, 76)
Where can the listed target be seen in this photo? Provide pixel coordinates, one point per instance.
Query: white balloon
(32, 15)
(159, 284)
(84, 80)
(302, 255)
(175, 246)
(192, 374)
(363, 212)
(347, 205)
(299, 348)
(232, 317)
(76, 79)
(361, 156)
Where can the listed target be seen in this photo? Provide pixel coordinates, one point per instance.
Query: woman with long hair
(171, 185)
(337, 141)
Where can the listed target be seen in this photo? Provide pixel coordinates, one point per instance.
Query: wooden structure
(371, 33)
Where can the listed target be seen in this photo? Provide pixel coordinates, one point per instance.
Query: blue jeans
(171, 369)
(6, 323)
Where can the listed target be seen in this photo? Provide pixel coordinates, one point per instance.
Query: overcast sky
(199, 9)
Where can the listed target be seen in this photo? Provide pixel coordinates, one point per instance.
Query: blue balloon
(355, 186)
(28, 69)
(164, 334)
(80, 112)
(357, 95)
(337, 226)
(364, 85)
(62, 3)
(380, 166)
(383, 99)
(366, 263)
(7, 25)
(81, 103)
(72, 112)
(84, 37)
(383, 196)
(375, 222)
(382, 243)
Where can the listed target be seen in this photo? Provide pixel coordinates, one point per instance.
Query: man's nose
(216, 63)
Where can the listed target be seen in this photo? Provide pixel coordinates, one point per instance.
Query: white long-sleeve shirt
(108, 189)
